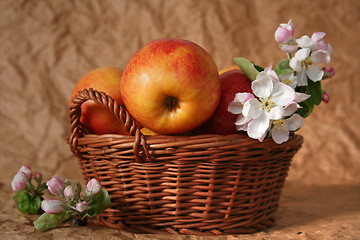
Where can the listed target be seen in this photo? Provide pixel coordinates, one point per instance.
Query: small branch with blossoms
(28, 197)
(71, 205)
(67, 205)
(283, 97)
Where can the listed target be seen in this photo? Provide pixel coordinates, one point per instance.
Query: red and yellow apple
(95, 117)
(171, 86)
(223, 122)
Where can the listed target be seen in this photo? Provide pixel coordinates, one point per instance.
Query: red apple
(95, 117)
(171, 86)
(222, 121)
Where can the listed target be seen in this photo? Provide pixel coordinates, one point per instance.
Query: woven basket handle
(120, 112)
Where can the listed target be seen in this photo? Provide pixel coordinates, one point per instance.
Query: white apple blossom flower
(268, 108)
(303, 64)
(282, 127)
(272, 98)
(316, 42)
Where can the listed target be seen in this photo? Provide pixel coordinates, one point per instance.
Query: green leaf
(315, 91)
(47, 221)
(307, 108)
(23, 202)
(247, 67)
(101, 202)
(260, 69)
(35, 204)
(18, 194)
(283, 67)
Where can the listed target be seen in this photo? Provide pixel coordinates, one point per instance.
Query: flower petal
(320, 56)
(282, 94)
(272, 74)
(280, 134)
(302, 54)
(305, 42)
(243, 97)
(294, 122)
(241, 123)
(241, 120)
(291, 108)
(317, 36)
(235, 107)
(289, 48)
(258, 127)
(276, 113)
(252, 109)
(302, 78)
(263, 85)
(282, 34)
(300, 97)
(295, 64)
(315, 73)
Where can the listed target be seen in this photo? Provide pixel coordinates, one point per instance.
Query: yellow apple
(95, 117)
(171, 86)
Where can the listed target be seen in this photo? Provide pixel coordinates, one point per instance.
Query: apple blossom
(38, 176)
(326, 97)
(56, 185)
(81, 206)
(26, 170)
(19, 182)
(73, 206)
(329, 72)
(272, 97)
(69, 192)
(282, 127)
(316, 42)
(284, 35)
(92, 187)
(285, 32)
(52, 206)
(303, 64)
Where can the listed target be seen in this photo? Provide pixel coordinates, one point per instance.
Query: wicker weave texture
(202, 185)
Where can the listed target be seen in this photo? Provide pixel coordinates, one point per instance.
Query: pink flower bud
(19, 182)
(26, 170)
(285, 32)
(69, 192)
(81, 206)
(52, 206)
(56, 185)
(38, 177)
(329, 72)
(92, 187)
(326, 97)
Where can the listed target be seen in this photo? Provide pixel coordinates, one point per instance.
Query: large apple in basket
(171, 86)
(95, 117)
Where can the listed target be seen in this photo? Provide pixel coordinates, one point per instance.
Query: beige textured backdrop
(46, 46)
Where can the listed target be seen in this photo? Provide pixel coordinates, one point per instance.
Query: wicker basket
(200, 185)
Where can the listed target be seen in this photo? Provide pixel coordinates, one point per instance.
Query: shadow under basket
(198, 185)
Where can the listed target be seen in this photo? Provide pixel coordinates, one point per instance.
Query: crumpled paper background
(47, 46)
